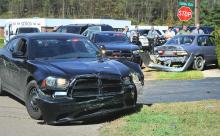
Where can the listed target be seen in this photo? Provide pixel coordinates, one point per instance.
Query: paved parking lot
(15, 121)
(180, 90)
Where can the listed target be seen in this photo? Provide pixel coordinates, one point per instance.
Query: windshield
(110, 37)
(73, 29)
(181, 39)
(62, 48)
(27, 30)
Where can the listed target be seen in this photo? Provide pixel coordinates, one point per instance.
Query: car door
(7, 76)
(207, 48)
(16, 68)
(211, 43)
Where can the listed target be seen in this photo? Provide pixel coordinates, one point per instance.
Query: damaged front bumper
(150, 62)
(66, 109)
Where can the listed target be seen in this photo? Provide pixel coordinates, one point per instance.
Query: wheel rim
(32, 99)
(199, 62)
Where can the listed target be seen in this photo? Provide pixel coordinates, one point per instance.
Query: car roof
(48, 34)
(108, 32)
(87, 25)
(192, 34)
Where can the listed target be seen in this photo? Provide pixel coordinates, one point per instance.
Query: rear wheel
(199, 63)
(30, 102)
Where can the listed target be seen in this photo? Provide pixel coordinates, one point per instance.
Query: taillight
(160, 52)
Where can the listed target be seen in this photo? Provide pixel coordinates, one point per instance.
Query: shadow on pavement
(103, 119)
(6, 94)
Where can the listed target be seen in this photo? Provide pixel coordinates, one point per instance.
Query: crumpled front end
(88, 96)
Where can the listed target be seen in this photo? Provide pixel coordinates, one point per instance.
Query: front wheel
(30, 102)
(199, 63)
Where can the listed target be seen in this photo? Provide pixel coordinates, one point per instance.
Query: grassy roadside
(160, 75)
(1, 42)
(186, 119)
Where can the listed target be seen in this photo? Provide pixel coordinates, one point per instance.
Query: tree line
(152, 12)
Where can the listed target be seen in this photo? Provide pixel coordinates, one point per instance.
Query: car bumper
(169, 60)
(134, 58)
(62, 110)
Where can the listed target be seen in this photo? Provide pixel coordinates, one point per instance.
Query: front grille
(124, 54)
(95, 86)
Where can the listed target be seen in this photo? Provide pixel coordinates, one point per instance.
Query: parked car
(117, 45)
(80, 28)
(144, 42)
(64, 77)
(178, 49)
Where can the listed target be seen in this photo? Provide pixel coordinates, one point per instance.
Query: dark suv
(80, 28)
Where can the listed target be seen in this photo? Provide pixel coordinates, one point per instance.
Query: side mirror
(18, 54)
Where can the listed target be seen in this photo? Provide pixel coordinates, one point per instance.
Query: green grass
(173, 119)
(1, 42)
(186, 75)
(151, 74)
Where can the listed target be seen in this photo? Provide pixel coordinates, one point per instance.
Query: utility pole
(197, 11)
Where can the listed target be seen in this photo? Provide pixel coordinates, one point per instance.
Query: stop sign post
(184, 13)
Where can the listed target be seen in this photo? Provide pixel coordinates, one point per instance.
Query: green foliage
(216, 34)
(147, 12)
(1, 42)
(186, 75)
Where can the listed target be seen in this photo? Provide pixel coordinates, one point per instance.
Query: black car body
(116, 45)
(62, 77)
(178, 50)
(80, 28)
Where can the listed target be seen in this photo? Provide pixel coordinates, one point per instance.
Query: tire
(30, 101)
(199, 63)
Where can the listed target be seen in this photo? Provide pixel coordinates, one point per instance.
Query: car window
(11, 46)
(107, 28)
(178, 40)
(158, 32)
(64, 30)
(59, 29)
(62, 48)
(22, 46)
(27, 30)
(212, 40)
(73, 29)
(205, 41)
(110, 37)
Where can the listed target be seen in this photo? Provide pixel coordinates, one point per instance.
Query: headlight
(56, 83)
(136, 51)
(135, 77)
(127, 80)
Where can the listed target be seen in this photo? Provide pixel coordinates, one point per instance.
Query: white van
(18, 26)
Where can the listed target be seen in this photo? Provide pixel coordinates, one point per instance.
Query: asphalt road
(15, 121)
(179, 90)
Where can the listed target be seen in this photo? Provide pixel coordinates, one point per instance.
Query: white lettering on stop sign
(184, 13)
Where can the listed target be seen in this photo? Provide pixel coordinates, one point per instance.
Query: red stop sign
(184, 13)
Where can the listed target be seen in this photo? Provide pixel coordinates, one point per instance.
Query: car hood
(120, 46)
(69, 68)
